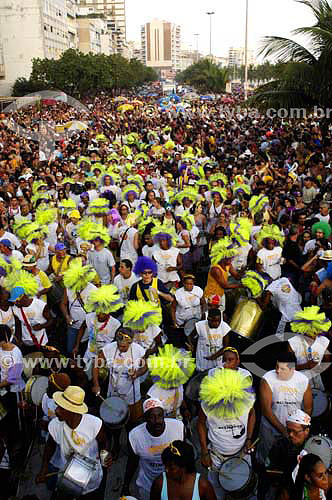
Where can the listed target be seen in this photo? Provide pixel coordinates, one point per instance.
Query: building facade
(236, 57)
(161, 46)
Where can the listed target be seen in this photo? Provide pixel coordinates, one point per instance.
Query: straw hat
(71, 399)
(327, 255)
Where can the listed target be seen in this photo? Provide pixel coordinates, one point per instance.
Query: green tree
(303, 77)
(205, 76)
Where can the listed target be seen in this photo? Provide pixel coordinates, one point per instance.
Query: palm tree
(205, 76)
(304, 76)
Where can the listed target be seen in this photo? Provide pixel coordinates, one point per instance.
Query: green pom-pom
(23, 279)
(105, 299)
(223, 249)
(78, 276)
(45, 215)
(21, 227)
(258, 203)
(172, 367)
(226, 394)
(272, 232)
(89, 231)
(66, 206)
(254, 282)
(99, 207)
(310, 322)
(139, 314)
(35, 231)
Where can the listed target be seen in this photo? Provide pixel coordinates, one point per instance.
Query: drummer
(74, 431)
(226, 429)
(56, 382)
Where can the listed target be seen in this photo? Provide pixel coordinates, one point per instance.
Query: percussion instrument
(321, 413)
(193, 386)
(35, 389)
(114, 412)
(30, 361)
(247, 319)
(322, 447)
(237, 478)
(76, 476)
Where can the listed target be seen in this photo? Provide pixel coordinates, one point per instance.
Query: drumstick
(51, 474)
(241, 455)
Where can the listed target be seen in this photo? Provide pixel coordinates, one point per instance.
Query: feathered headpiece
(144, 223)
(241, 189)
(99, 207)
(130, 188)
(137, 180)
(86, 159)
(162, 231)
(270, 231)
(89, 231)
(66, 206)
(40, 196)
(218, 190)
(21, 227)
(37, 185)
(139, 314)
(255, 283)
(187, 219)
(9, 265)
(78, 276)
(310, 322)
(105, 299)
(223, 249)
(190, 193)
(226, 394)
(240, 231)
(171, 367)
(219, 178)
(322, 226)
(202, 183)
(144, 263)
(23, 279)
(258, 203)
(35, 231)
(45, 215)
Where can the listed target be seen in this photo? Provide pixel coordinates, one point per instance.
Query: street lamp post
(210, 14)
(246, 54)
(196, 35)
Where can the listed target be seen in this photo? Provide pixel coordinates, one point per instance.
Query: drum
(35, 389)
(114, 412)
(77, 475)
(193, 386)
(247, 319)
(237, 478)
(322, 447)
(321, 413)
(30, 361)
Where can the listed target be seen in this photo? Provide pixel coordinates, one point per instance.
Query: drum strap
(32, 335)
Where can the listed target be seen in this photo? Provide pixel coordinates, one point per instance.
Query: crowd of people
(166, 292)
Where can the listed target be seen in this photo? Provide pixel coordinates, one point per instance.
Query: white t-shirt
(146, 338)
(149, 449)
(12, 238)
(188, 304)
(210, 340)
(128, 250)
(171, 398)
(100, 334)
(124, 285)
(148, 251)
(76, 312)
(34, 316)
(241, 259)
(7, 360)
(271, 260)
(7, 317)
(285, 298)
(102, 261)
(301, 346)
(44, 258)
(120, 364)
(48, 406)
(52, 236)
(287, 395)
(85, 433)
(165, 259)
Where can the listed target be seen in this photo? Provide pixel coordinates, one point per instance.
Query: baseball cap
(6, 243)
(75, 214)
(16, 293)
(59, 246)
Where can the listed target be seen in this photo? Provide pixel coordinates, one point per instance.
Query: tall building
(161, 46)
(114, 12)
(31, 29)
(236, 57)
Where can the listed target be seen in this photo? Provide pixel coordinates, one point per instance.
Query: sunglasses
(147, 272)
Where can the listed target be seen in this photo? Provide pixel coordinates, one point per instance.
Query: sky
(266, 17)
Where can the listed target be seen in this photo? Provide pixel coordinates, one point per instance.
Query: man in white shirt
(146, 444)
(6, 249)
(125, 279)
(282, 391)
(74, 431)
(102, 260)
(323, 215)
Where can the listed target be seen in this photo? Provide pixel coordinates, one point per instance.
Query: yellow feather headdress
(172, 367)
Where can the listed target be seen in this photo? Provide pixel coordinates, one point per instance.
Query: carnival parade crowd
(166, 288)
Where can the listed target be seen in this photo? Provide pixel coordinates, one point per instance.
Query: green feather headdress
(35, 231)
(105, 299)
(99, 207)
(89, 231)
(272, 232)
(219, 177)
(10, 265)
(144, 222)
(226, 394)
(310, 322)
(255, 283)
(24, 279)
(241, 189)
(40, 196)
(240, 231)
(139, 314)
(68, 180)
(171, 368)
(78, 276)
(21, 227)
(130, 188)
(223, 249)
(258, 203)
(160, 229)
(202, 182)
(37, 185)
(221, 191)
(137, 180)
(190, 193)
(141, 156)
(45, 215)
(66, 206)
(86, 159)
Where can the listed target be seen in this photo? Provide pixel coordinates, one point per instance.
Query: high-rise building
(236, 57)
(161, 46)
(31, 29)
(114, 11)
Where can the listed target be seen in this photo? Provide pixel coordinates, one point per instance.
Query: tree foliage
(304, 75)
(259, 73)
(205, 76)
(80, 74)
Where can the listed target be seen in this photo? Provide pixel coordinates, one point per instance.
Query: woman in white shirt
(168, 257)
(189, 305)
(269, 257)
